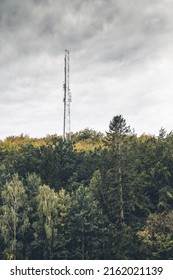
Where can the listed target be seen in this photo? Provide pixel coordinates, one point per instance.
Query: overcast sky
(121, 60)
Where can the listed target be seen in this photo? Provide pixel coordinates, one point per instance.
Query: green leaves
(14, 220)
(86, 225)
(157, 236)
(96, 197)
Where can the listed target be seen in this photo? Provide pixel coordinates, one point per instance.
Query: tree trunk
(14, 249)
(121, 196)
(120, 186)
(83, 246)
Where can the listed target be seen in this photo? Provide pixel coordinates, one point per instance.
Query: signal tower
(67, 97)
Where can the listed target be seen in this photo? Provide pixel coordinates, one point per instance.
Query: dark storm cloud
(121, 57)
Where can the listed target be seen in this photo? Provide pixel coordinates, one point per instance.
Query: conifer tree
(118, 130)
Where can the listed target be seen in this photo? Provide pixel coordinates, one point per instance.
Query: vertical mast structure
(67, 97)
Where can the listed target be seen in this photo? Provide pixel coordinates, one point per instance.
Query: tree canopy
(97, 196)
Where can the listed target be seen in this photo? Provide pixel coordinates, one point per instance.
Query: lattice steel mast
(67, 97)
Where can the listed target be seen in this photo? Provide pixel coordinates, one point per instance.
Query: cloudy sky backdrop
(121, 60)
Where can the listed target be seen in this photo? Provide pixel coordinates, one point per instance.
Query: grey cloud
(121, 53)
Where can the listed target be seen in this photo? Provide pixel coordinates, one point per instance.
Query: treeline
(94, 197)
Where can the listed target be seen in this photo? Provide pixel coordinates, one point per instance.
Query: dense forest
(96, 196)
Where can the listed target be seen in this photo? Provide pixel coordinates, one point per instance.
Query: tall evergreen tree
(118, 131)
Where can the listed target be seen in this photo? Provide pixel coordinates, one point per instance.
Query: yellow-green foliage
(88, 145)
(17, 142)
